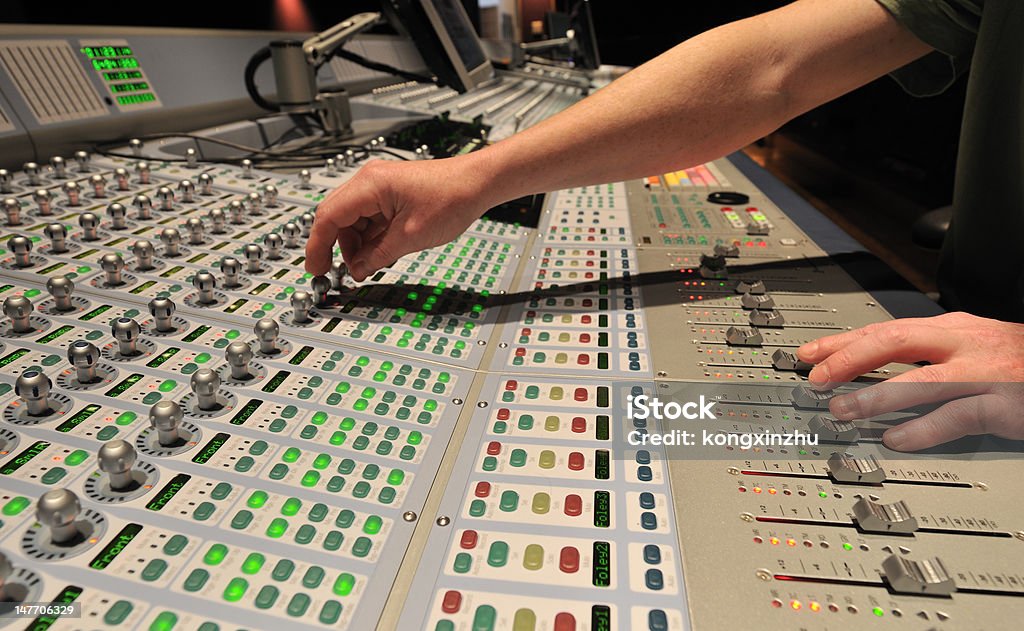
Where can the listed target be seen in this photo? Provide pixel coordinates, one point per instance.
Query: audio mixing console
(196, 434)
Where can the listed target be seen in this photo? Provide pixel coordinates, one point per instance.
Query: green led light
(257, 499)
(395, 477)
(372, 525)
(291, 454)
(310, 478)
(15, 506)
(126, 418)
(202, 358)
(319, 418)
(164, 622)
(253, 563)
(342, 387)
(76, 458)
(822, 494)
(415, 438)
(344, 584)
(322, 461)
(878, 611)
(847, 546)
(347, 423)
(235, 589)
(291, 506)
(215, 554)
(277, 528)
(167, 385)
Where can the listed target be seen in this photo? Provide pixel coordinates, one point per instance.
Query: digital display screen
(129, 87)
(132, 99)
(99, 52)
(461, 32)
(113, 64)
(122, 75)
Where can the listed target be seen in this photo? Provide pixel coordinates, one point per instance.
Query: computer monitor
(444, 35)
(584, 45)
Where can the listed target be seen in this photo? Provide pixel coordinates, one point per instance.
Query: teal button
(283, 570)
(279, 471)
(241, 520)
(266, 597)
(313, 577)
(54, 475)
(298, 605)
(117, 613)
(305, 534)
(196, 580)
(484, 618)
(203, 511)
(318, 512)
(386, 495)
(330, 612)
(497, 556)
(345, 519)
(333, 540)
(463, 562)
(151, 398)
(221, 491)
(106, 434)
(154, 570)
(175, 545)
(361, 547)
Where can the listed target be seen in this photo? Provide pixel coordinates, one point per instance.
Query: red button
(573, 505)
(503, 414)
(580, 394)
(579, 425)
(468, 540)
(590, 253)
(565, 622)
(588, 275)
(483, 488)
(511, 384)
(569, 560)
(585, 338)
(576, 461)
(520, 352)
(585, 319)
(451, 602)
(493, 448)
(588, 302)
(583, 359)
(527, 332)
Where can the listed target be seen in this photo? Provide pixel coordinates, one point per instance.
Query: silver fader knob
(267, 330)
(126, 332)
(171, 239)
(90, 225)
(118, 216)
(768, 318)
(61, 288)
(83, 158)
(306, 222)
(18, 310)
(191, 158)
(136, 146)
(304, 178)
(302, 302)
(166, 197)
(217, 220)
(927, 576)
(32, 170)
(112, 266)
(44, 202)
(12, 209)
(59, 166)
(273, 243)
(239, 355)
(757, 301)
(6, 179)
(237, 211)
(786, 360)
(205, 384)
(230, 267)
(162, 310)
(144, 205)
(247, 169)
(22, 249)
(83, 357)
(850, 469)
(187, 189)
(269, 196)
(73, 193)
(142, 171)
(254, 202)
(331, 167)
(121, 178)
(195, 230)
(166, 416)
(884, 518)
(99, 185)
(755, 287)
(57, 510)
(338, 273)
(57, 234)
(253, 254)
(33, 387)
(205, 283)
(205, 184)
(143, 251)
(291, 231)
(116, 458)
(320, 286)
(743, 336)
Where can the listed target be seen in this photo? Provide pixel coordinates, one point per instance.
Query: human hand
(977, 364)
(389, 209)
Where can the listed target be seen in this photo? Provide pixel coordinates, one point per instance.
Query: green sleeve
(948, 26)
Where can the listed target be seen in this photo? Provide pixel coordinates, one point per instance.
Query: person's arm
(700, 100)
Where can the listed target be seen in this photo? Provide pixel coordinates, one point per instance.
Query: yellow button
(564, 337)
(541, 503)
(524, 620)
(533, 558)
(547, 459)
(551, 423)
(557, 393)
(561, 358)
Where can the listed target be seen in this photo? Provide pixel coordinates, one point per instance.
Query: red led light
(776, 603)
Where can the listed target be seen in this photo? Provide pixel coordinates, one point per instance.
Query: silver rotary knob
(247, 169)
(12, 210)
(126, 332)
(267, 330)
(19, 310)
(205, 184)
(291, 231)
(166, 417)
(331, 167)
(166, 197)
(302, 302)
(116, 458)
(205, 384)
(273, 243)
(143, 206)
(171, 239)
(270, 196)
(44, 202)
(142, 171)
(254, 202)
(113, 266)
(187, 189)
(136, 146)
(6, 179)
(253, 254)
(99, 185)
(58, 510)
(33, 171)
(350, 157)
(121, 178)
(59, 166)
(239, 355)
(338, 273)
(33, 387)
(73, 193)
(90, 225)
(191, 158)
(306, 223)
(22, 249)
(83, 159)
(217, 220)
(61, 288)
(57, 233)
(304, 178)
(195, 230)
(83, 357)
(205, 283)
(118, 216)
(320, 286)
(162, 310)
(237, 211)
(143, 251)
(230, 267)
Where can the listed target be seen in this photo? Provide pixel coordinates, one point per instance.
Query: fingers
(376, 253)
(895, 341)
(917, 387)
(342, 209)
(956, 419)
(819, 349)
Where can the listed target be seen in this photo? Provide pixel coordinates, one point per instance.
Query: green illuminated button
(291, 454)
(313, 577)
(517, 458)
(497, 555)
(483, 619)
(236, 589)
(15, 505)
(337, 438)
(167, 385)
(547, 459)
(533, 557)
(372, 525)
(221, 491)
(396, 477)
(257, 499)
(509, 501)
(318, 512)
(291, 506)
(361, 547)
(126, 418)
(266, 597)
(117, 613)
(541, 503)
(277, 528)
(164, 622)
(175, 545)
(344, 583)
(253, 563)
(310, 478)
(76, 458)
(283, 570)
(54, 475)
(241, 520)
(215, 554)
(333, 540)
(196, 580)
(322, 461)
(203, 511)
(154, 570)
(463, 562)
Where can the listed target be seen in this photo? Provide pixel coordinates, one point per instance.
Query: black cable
(379, 67)
(251, 67)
